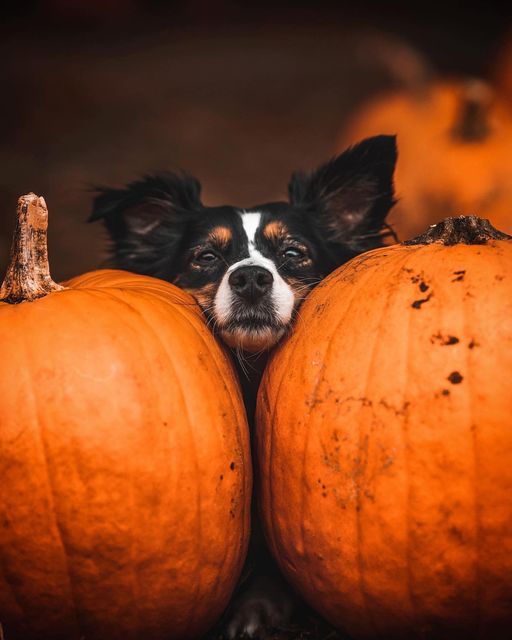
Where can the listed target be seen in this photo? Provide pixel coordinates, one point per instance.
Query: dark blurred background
(239, 94)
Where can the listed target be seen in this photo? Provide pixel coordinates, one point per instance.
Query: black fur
(340, 207)
(164, 203)
(351, 195)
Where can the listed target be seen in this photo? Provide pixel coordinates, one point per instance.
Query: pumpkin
(124, 455)
(385, 440)
(454, 140)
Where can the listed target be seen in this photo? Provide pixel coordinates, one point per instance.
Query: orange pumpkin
(124, 455)
(384, 440)
(454, 141)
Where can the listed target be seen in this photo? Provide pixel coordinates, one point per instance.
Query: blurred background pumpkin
(454, 139)
(101, 91)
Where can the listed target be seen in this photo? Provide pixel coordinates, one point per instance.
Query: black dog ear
(145, 204)
(146, 220)
(351, 194)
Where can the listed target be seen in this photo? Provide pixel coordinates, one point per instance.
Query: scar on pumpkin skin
(275, 230)
(220, 236)
(204, 295)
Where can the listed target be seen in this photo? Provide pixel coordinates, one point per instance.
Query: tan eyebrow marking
(221, 236)
(275, 230)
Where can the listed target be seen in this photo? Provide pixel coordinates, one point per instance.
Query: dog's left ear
(351, 195)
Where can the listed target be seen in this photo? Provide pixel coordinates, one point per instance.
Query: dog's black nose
(251, 283)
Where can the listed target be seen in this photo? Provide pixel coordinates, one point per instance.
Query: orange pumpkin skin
(125, 465)
(454, 140)
(385, 445)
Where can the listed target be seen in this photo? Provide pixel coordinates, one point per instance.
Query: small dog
(249, 269)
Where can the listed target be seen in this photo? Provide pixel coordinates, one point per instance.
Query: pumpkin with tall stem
(124, 455)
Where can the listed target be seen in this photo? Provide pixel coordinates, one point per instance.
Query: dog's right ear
(145, 204)
(146, 220)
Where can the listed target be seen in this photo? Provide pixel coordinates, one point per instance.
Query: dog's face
(249, 269)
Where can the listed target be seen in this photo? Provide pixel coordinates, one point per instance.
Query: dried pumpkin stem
(460, 230)
(28, 275)
(472, 121)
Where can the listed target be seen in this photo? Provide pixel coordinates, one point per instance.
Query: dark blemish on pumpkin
(221, 477)
(387, 462)
(473, 344)
(232, 466)
(320, 307)
(331, 463)
(455, 377)
(224, 414)
(366, 402)
(444, 340)
(313, 403)
(445, 511)
(324, 494)
(165, 424)
(445, 392)
(232, 513)
(324, 487)
(408, 270)
(319, 481)
(398, 412)
(459, 275)
(417, 303)
(423, 286)
(499, 277)
(456, 533)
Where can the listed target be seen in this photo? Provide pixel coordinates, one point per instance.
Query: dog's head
(249, 269)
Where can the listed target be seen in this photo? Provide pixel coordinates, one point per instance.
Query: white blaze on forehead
(281, 295)
(251, 223)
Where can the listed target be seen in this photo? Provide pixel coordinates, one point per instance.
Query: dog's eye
(294, 253)
(206, 257)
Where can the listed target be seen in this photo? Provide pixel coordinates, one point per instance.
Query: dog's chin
(252, 340)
